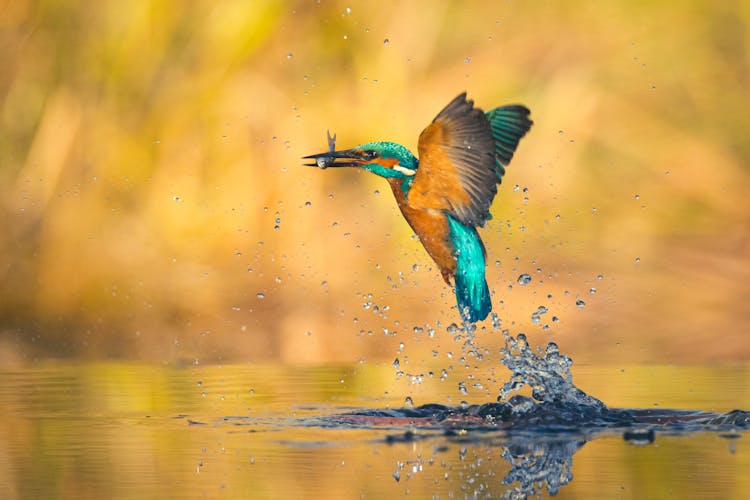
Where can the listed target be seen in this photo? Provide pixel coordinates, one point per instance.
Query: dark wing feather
(457, 164)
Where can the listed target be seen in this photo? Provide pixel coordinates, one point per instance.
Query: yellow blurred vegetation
(154, 206)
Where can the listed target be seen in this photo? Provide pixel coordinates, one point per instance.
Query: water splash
(548, 374)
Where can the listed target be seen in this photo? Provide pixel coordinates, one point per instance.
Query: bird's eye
(369, 154)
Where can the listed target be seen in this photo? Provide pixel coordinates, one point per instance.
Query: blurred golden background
(154, 205)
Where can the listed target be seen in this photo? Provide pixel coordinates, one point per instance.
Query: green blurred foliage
(154, 206)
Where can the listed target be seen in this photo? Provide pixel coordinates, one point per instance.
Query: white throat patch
(406, 171)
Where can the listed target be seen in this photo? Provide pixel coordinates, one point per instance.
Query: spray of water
(547, 374)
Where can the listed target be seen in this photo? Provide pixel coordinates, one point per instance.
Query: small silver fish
(327, 161)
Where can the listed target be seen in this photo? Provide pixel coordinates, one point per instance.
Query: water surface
(109, 430)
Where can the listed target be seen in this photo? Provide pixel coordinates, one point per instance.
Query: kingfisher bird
(447, 193)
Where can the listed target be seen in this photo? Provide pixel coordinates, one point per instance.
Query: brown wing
(456, 164)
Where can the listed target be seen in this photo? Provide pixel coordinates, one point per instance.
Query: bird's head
(386, 159)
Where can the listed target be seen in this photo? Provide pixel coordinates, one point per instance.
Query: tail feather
(472, 292)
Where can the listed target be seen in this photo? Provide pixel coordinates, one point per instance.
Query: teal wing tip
(509, 124)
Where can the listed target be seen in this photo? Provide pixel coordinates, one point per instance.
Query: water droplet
(289, 55)
(592, 290)
(524, 279)
(467, 60)
(260, 295)
(176, 198)
(308, 203)
(600, 277)
(637, 260)
(386, 41)
(637, 197)
(462, 388)
(408, 402)
(580, 303)
(396, 364)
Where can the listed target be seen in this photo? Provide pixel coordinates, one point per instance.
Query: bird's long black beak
(334, 159)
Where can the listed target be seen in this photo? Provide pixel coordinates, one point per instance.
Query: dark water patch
(523, 414)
